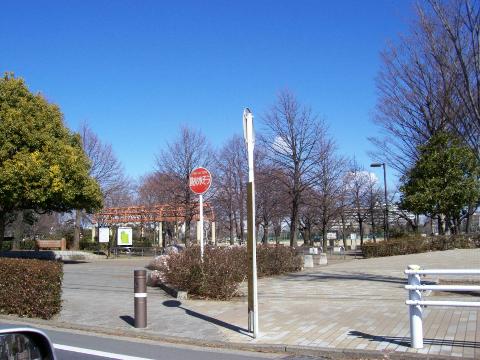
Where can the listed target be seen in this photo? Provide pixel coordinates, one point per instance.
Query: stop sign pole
(199, 182)
(251, 241)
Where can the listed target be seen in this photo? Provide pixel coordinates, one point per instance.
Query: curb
(320, 352)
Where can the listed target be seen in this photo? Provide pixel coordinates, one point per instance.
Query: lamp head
(248, 131)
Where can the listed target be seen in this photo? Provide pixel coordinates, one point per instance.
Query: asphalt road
(71, 345)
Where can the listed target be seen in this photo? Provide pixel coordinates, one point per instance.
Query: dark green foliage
(31, 288)
(93, 245)
(42, 164)
(413, 245)
(444, 180)
(6, 245)
(28, 244)
(142, 242)
(223, 269)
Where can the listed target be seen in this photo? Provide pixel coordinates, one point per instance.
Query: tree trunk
(373, 226)
(277, 230)
(187, 233)
(308, 235)
(293, 223)
(76, 230)
(2, 228)
(324, 238)
(360, 225)
(468, 221)
(440, 225)
(232, 238)
(265, 233)
(343, 233)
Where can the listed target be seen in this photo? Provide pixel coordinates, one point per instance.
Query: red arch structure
(149, 214)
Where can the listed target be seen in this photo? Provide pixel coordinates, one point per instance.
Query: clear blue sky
(136, 70)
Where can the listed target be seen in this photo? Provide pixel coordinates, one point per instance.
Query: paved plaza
(356, 304)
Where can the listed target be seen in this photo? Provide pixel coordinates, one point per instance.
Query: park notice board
(124, 236)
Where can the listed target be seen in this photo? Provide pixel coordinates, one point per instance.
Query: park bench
(52, 244)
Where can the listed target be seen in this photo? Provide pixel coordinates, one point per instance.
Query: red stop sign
(200, 180)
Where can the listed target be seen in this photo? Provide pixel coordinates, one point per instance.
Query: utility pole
(249, 137)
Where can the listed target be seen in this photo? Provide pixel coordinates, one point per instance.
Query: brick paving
(356, 304)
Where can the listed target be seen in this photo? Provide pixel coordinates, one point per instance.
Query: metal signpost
(251, 242)
(199, 181)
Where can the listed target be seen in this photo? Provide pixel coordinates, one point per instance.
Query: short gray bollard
(140, 293)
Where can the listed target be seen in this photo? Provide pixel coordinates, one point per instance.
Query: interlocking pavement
(356, 304)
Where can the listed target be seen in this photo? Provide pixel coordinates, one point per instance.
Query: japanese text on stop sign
(199, 180)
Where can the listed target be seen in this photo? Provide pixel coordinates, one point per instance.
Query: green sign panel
(124, 236)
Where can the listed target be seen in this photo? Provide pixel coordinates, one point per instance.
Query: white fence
(416, 303)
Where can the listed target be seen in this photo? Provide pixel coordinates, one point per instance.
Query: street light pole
(251, 242)
(385, 214)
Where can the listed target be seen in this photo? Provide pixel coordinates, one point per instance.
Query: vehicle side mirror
(25, 344)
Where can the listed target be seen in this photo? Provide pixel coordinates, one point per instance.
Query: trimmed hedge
(413, 245)
(222, 269)
(31, 288)
(6, 245)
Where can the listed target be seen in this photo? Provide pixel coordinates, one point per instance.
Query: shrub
(413, 245)
(30, 288)
(6, 245)
(28, 244)
(142, 242)
(222, 269)
(277, 260)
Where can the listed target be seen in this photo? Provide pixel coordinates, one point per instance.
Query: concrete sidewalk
(357, 305)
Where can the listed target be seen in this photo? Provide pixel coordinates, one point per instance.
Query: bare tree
(453, 32)
(329, 186)
(108, 171)
(270, 195)
(291, 139)
(429, 82)
(231, 187)
(309, 218)
(189, 151)
(357, 186)
(374, 201)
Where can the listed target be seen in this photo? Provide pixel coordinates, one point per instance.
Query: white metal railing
(416, 303)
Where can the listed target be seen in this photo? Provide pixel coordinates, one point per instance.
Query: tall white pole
(251, 241)
(201, 227)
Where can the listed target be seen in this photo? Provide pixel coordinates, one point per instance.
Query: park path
(357, 304)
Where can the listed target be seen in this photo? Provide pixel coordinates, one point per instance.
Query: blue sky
(136, 70)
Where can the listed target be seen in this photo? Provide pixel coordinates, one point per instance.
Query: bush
(31, 288)
(93, 246)
(142, 242)
(413, 245)
(6, 245)
(28, 244)
(223, 268)
(277, 260)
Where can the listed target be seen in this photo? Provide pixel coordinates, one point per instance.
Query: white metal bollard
(416, 327)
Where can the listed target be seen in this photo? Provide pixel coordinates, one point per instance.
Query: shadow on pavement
(405, 341)
(352, 276)
(176, 303)
(128, 319)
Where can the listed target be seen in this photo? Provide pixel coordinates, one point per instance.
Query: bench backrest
(47, 244)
